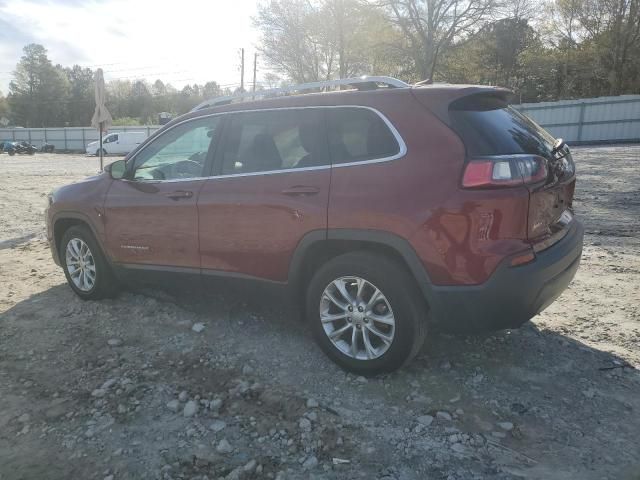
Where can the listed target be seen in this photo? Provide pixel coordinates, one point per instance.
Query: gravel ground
(150, 385)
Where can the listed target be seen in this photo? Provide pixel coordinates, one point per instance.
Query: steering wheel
(158, 174)
(198, 157)
(190, 166)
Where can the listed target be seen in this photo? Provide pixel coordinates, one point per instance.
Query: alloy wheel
(80, 264)
(357, 318)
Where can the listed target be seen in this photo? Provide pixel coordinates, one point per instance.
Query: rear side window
(274, 140)
(357, 134)
(489, 126)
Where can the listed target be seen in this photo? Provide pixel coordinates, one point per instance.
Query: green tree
(141, 102)
(118, 97)
(211, 90)
(4, 107)
(39, 91)
(613, 27)
(494, 56)
(81, 95)
(188, 98)
(126, 122)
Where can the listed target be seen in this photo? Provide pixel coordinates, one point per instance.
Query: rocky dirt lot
(150, 385)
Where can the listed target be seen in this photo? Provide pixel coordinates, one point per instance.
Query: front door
(271, 188)
(151, 216)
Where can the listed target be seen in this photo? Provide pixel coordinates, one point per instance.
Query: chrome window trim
(401, 144)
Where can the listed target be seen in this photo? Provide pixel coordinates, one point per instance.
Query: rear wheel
(366, 313)
(85, 266)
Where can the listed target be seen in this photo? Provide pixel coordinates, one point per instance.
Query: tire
(104, 284)
(11, 153)
(400, 298)
(104, 152)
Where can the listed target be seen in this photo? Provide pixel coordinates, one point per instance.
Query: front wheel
(366, 313)
(104, 152)
(85, 266)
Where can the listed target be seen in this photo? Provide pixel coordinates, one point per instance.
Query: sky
(188, 41)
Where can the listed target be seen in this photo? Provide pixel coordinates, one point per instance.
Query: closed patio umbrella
(101, 117)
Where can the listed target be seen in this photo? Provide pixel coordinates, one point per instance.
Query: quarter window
(180, 153)
(274, 140)
(358, 134)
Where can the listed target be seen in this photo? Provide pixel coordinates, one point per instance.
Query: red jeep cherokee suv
(389, 209)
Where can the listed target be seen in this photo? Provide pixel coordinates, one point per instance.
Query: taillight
(504, 171)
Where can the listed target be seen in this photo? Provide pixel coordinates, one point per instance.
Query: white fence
(65, 138)
(589, 120)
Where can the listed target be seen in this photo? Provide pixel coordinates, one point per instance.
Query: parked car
(119, 143)
(388, 212)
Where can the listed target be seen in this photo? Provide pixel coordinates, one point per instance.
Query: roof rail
(361, 83)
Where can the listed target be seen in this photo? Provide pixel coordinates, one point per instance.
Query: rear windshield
(489, 126)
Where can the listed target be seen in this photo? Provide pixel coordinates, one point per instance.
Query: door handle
(301, 190)
(179, 194)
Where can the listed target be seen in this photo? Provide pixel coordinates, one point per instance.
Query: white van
(119, 143)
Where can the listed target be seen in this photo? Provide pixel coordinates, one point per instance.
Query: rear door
(271, 188)
(151, 216)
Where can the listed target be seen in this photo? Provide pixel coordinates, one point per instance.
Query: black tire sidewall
(102, 286)
(399, 289)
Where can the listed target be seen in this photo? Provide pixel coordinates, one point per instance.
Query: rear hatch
(507, 149)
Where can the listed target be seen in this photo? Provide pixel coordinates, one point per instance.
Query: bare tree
(293, 40)
(565, 33)
(520, 9)
(432, 26)
(309, 40)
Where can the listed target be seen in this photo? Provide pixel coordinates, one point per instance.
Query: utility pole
(242, 70)
(255, 69)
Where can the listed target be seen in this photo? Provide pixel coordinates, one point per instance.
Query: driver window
(111, 138)
(180, 153)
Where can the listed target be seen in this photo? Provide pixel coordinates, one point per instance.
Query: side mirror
(116, 169)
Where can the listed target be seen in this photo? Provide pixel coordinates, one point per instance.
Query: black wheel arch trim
(379, 237)
(74, 215)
